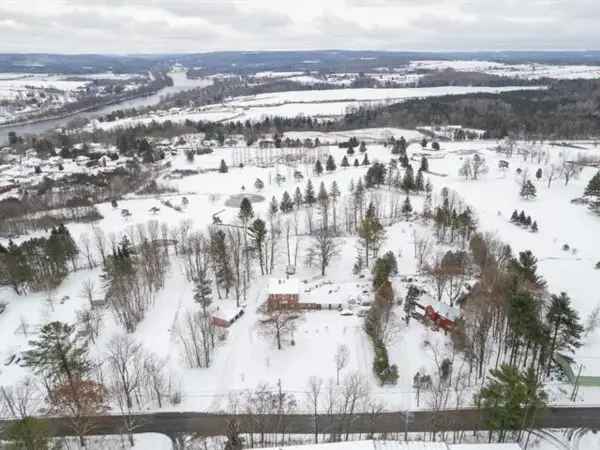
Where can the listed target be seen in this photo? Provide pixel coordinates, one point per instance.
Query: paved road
(172, 424)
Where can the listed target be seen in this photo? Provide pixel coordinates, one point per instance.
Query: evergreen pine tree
(528, 190)
(309, 194)
(427, 206)
(593, 190)
(203, 290)
(565, 328)
(58, 353)
(258, 234)
(408, 182)
(298, 199)
(526, 269)
(365, 161)
(318, 168)
(18, 271)
(428, 186)
(419, 182)
(528, 221)
(363, 147)
(224, 276)
(345, 162)
(515, 217)
(371, 233)
(522, 217)
(273, 207)
(407, 207)
(223, 167)
(356, 163)
(534, 227)
(404, 160)
(593, 187)
(287, 205)
(538, 174)
(323, 196)
(330, 164)
(246, 212)
(334, 191)
(511, 400)
(424, 164)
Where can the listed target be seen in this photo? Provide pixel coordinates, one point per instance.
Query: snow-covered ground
(320, 103)
(361, 95)
(531, 71)
(247, 357)
(24, 94)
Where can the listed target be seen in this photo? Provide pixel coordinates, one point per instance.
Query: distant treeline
(569, 109)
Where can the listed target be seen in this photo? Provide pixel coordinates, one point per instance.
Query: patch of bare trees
(197, 337)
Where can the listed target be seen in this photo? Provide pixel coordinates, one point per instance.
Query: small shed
(224, 316)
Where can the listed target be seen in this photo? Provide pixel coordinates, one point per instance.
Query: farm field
(315, 103)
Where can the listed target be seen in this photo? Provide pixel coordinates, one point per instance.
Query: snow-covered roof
(445, 310)
(284, 286)
(398, 445)
(226, 312)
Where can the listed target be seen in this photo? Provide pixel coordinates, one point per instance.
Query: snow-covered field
(531, 71)
(362, 95)
(320, 103)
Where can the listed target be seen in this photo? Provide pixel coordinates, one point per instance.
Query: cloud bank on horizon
(161, 26)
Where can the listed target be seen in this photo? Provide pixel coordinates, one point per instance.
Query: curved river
(180, 83)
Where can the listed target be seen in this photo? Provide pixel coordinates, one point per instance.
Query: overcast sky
(153, 26)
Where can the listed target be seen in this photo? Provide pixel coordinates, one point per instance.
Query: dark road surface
(172, 424)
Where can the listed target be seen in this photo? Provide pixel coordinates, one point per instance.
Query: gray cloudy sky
(150, 26)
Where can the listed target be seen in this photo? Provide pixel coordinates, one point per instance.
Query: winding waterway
(180, 83)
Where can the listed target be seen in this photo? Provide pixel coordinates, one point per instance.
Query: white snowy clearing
(318, 103)
(533, 71)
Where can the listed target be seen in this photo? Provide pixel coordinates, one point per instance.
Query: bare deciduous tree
(422, 248)
(21, 400)
(196, 334)
(100, 242)
(88, 289)
(277, 323)
(341, 357)
(324, 247)
(85, 245)
(315, 384)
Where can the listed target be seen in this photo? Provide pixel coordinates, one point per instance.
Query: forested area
(566, 110)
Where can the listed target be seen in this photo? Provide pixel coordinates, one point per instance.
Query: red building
(284, 293)
(442, 316)
(224, 317)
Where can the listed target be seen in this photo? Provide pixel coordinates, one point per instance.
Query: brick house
(284, 293)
